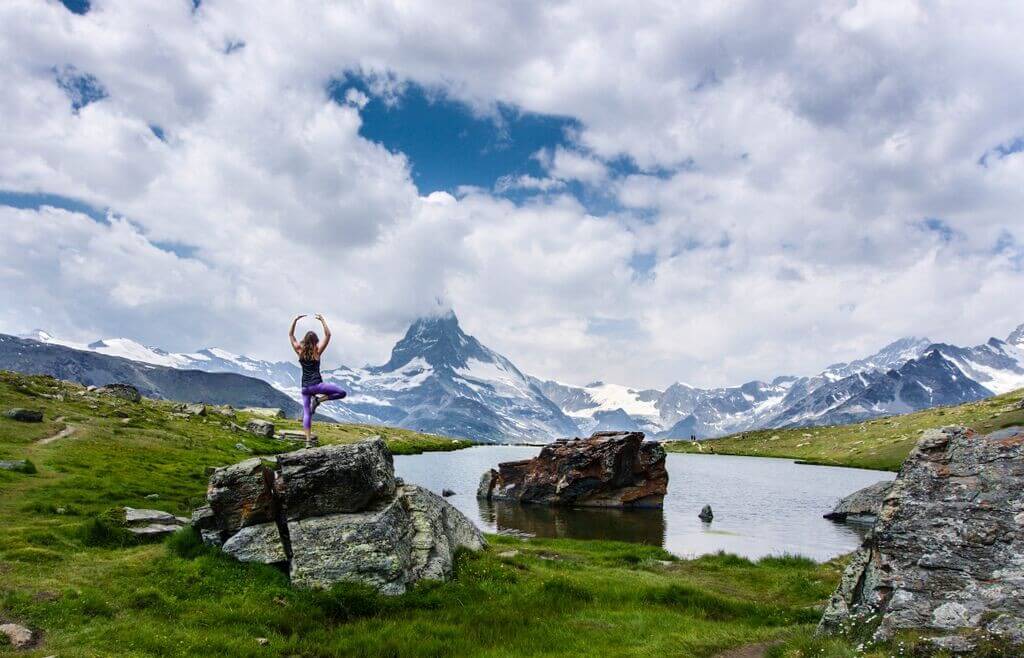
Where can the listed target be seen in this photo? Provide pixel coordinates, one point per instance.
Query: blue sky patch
(158, 131)
(35, 201)
(939, 227)
(81, 88)
(1000, 151)
(448, 145)
(79, 7)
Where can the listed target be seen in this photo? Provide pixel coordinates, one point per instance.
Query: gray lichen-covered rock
(334, 514)
(863, 503)
(257, 543)
(24, 415)
(338, 478)
(260, 427)
(123, 391)
(609, 469)
(946, 555)
(372, 547)
(151, 522)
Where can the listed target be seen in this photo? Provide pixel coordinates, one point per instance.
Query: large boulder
(609, 469)
(946, 555)
(861, 504)
(332, 514)
(332, 479)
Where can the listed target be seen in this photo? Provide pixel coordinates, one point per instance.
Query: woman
(314, 390)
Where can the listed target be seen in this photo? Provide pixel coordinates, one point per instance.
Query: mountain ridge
(440, 379)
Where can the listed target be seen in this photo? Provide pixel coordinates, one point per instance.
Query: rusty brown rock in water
(945, 555)
(609, 469)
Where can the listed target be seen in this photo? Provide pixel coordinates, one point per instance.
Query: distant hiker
(314, 390)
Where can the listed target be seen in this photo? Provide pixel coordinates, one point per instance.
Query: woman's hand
(319, 317)
(298, 317)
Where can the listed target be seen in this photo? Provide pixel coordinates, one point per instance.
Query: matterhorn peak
(1016, 336)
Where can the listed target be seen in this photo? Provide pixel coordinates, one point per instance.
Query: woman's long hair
(307, 348)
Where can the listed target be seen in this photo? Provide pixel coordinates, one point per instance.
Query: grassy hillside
(90, 593)
(882, 443)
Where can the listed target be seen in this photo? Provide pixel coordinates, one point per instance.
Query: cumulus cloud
(775, 165)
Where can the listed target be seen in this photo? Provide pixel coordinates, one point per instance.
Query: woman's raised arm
(291, 333)
(327, 334)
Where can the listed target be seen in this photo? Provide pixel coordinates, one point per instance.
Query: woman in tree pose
(314, 390)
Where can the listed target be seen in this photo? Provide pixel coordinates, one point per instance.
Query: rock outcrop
(24, 415)
(946, 555)
(260, 427)
(609, 469)
(123, 391)
(863, 503)
(335, 513)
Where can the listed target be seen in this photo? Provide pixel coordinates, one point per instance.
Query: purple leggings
(330, 390)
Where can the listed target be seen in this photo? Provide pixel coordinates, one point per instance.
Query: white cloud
(789, 154)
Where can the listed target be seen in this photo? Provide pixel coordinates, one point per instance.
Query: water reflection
(644, 526)
(762, 506)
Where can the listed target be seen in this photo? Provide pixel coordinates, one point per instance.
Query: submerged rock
(945, 554)
(863, 503)
(609, 469)
(706, 515)
(335, 514)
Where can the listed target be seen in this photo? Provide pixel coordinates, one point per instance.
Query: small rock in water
(447, 492)
(19, 636)
(706, 514)
(25, 415)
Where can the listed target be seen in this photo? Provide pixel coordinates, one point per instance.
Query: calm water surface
(762, 506)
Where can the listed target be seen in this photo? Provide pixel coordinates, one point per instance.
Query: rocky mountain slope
(154, 381)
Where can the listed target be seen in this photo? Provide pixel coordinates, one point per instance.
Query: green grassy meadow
(882, 443)
(89, 592)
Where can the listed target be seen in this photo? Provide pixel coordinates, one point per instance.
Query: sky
(710, 192)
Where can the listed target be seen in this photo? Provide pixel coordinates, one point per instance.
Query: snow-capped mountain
(280, 374)
(439, 379)
(907, 375)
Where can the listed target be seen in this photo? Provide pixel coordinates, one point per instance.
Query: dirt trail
(749, 651)
(67, 431)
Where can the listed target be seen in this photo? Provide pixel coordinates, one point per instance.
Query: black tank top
(310, 372)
